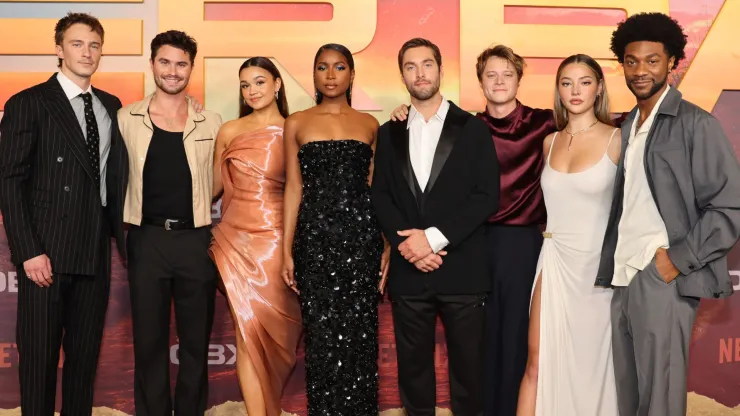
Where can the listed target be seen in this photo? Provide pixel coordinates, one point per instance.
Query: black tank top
(167, 183)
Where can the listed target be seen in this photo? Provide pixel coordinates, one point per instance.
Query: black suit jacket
(48, 196)
(462, 192)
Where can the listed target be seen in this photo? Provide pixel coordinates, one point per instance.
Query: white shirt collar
(439, 115)
(649, 120)
(71, 90)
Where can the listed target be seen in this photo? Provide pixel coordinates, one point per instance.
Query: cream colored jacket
(200, 139)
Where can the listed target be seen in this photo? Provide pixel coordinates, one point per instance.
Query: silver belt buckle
(167, 224)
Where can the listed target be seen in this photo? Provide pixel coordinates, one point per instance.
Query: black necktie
(93, 136)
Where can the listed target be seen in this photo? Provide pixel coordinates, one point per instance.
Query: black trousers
(166, 265)
(70, 313)
(513, 252)
(414, 319)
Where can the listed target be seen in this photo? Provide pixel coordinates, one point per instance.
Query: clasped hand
(417, 251)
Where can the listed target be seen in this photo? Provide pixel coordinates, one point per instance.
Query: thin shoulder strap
(549, 152)
(611, 137)
(610, 140)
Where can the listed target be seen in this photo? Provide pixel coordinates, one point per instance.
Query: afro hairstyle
(650, 27)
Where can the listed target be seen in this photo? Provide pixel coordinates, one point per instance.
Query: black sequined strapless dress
(336, 251)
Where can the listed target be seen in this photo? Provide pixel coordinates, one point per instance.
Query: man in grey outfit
(675, 215)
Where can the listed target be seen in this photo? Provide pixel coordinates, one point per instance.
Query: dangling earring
(276, 94)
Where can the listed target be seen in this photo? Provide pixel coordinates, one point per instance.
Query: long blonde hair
(601, 106)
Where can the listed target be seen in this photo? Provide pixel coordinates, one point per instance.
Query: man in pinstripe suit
(63, 173)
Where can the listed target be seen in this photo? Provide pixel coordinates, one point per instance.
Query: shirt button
(691, 267)
(66, 188)
(60, 159)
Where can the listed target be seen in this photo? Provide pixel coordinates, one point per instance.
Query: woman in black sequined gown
(333, 245)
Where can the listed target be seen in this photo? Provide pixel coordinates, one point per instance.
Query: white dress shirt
(73, 91)
(641, 230)
(423, 139)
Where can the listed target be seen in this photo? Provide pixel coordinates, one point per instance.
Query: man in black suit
(435, 184)
(63, 172)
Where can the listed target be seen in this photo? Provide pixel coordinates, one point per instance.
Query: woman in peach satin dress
(246, 246)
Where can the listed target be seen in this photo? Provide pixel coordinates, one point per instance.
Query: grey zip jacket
(694, 178)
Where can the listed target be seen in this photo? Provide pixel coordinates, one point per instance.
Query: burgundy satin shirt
(519, 139)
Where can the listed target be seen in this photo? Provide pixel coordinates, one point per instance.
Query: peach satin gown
(246, 248)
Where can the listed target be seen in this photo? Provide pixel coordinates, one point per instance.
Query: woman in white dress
(569, 368)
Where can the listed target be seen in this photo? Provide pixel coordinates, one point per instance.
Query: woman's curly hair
(651, 27)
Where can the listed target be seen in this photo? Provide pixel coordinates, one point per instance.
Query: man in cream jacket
(168, 204)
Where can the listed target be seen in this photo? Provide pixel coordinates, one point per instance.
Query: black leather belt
(168, 224)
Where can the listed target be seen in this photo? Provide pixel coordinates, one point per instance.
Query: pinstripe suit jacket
(48, 196)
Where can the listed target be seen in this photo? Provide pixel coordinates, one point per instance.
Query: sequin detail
(337, 251)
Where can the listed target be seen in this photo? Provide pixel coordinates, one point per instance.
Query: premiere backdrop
(290, 31)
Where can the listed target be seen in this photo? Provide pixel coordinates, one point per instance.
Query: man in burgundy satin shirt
(514, 234)
(514, 231)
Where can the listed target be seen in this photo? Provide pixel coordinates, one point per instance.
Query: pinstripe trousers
(69, 314)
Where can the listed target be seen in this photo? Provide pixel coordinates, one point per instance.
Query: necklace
(578, 132)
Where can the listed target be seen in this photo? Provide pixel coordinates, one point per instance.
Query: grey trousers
(651, 329)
